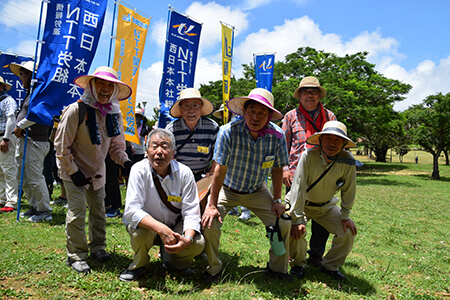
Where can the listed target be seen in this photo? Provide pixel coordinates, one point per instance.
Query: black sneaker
(279, 275)
(206, 277)
(101, 256)
(335, 274)
(298, 271)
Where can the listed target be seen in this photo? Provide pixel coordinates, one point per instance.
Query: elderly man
(89, 129)
(321, 173)
(246, 152)
(299, 124)
(34, 184)
(195, 134)
(8, 166)
(162, 207)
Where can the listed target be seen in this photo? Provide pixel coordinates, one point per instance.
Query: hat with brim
(108, 74)
(260, 95)
(139, 111)
(191, 94)
(27, 65)
(219, 113)
(310, 82)
(335, 128)
(8, 86)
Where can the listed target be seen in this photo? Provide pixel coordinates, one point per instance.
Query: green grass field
(401, 252)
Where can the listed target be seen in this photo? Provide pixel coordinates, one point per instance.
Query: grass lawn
(401, 252)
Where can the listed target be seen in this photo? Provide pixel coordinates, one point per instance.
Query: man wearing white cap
(89, 129)
(8, 166)
(246, 152)
(195, 134)
(33, 184)
(321, 173)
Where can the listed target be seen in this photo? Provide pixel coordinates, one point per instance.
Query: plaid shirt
(294, 127)
(248, 161)
(8, 107)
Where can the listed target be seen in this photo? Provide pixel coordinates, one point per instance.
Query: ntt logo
(184, 30)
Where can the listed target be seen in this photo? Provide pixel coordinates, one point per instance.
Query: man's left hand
(4, 146)
(18, 132)
(182, 243)
(350, 225)
(278, 209)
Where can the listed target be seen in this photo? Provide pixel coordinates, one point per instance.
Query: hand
(168, 237)
(79, 179)
(287, 178)
(127, 168)
(210, 213)
(278, 209)
(297, 230)
(181, 244)
(4, 146)
(350, 225)
(18, 132)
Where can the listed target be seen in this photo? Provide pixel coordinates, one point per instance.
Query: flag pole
(112, 33)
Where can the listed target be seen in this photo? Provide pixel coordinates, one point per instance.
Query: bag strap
(320, 177)
(163, 195)
(185, 141)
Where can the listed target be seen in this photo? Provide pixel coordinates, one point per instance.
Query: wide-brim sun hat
(310, 82)
(219, 113)
(139, 111)
(27, 65)
(260, 95)
(108, 74)
(8, 86)
(191, 93)
(332, 127)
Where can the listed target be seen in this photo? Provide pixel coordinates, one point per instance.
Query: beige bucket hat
(109, 74)
(191, 93)
(8, 86)
(218, 113)
(335, 128)
(27, 65)
(312, 82)
(260, 95)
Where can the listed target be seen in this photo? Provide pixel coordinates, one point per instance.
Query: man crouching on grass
(162, 207)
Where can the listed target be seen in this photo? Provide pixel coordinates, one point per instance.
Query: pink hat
(260, 95)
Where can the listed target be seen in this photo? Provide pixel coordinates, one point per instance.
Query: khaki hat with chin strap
(310, 82)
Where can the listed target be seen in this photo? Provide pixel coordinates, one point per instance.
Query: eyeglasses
(190, 106)
(313, 92)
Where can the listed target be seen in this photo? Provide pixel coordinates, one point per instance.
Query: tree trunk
(446, 157)
(380, 153)
(435, 174)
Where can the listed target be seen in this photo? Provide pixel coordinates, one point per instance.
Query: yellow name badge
(203, 149)
(268, 162)
(174, 198)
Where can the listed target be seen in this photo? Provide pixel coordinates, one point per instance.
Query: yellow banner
(130, 40)
(227, 55)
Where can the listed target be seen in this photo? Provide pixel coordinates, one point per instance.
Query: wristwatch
(189, 237)
(277, 200)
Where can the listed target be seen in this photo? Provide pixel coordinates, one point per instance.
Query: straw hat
(27, 65)
(108, 74)
(311, 82)
(191, 93)
(260, 95)
(218, 113)
(7, 85)
(335, 128)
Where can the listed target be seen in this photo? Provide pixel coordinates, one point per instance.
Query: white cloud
(20, 13)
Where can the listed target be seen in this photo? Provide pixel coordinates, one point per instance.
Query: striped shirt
(248, 161)
(197, 153)
(294, 127)
(8, 108)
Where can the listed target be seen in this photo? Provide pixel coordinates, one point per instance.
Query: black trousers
(112, 187)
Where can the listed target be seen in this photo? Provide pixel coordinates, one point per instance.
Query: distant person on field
(319, 203)
(417, 159)
(162, 208)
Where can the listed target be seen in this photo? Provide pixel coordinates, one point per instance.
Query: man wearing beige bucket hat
(246, 152)
(38, 146)
(299, 124)
(195, 134)
(8, 166)
(89, 129)
(322, 172)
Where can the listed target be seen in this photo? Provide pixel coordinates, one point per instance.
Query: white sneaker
(234, 211)
(245, 216)
(41, 216)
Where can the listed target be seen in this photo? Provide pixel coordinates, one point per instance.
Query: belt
(203, 171)
(235, 191)
(309, 203)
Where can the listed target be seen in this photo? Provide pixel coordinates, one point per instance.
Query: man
(312, 196)
(33, 184)
(299, 124)
(8, 166)
(162, 207)
(89, 129)
(246, 152)
(195, 134)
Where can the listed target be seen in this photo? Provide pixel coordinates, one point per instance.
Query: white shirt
(142, 197)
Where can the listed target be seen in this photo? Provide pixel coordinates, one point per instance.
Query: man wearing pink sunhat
(89, 129)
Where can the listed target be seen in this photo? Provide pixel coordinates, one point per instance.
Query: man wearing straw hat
(195, 134)
(299, 124)
(8, 166)
(33, 184)
(89, 129)
(321, 173)
(246, 152)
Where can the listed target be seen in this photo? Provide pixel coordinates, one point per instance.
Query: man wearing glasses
(195, 134)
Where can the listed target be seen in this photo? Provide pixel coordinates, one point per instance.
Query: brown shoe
(315, 260)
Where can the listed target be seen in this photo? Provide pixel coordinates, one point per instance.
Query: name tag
(268, 163)
(202, 149)
(174, 198)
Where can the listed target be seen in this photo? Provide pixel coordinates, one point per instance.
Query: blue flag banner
(180, 59)
(71, 34)
(264, 64)
(17, 91)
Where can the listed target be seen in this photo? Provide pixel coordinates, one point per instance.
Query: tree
(430, 126)
(402, 150)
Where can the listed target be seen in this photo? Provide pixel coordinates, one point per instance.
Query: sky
(407, 40)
